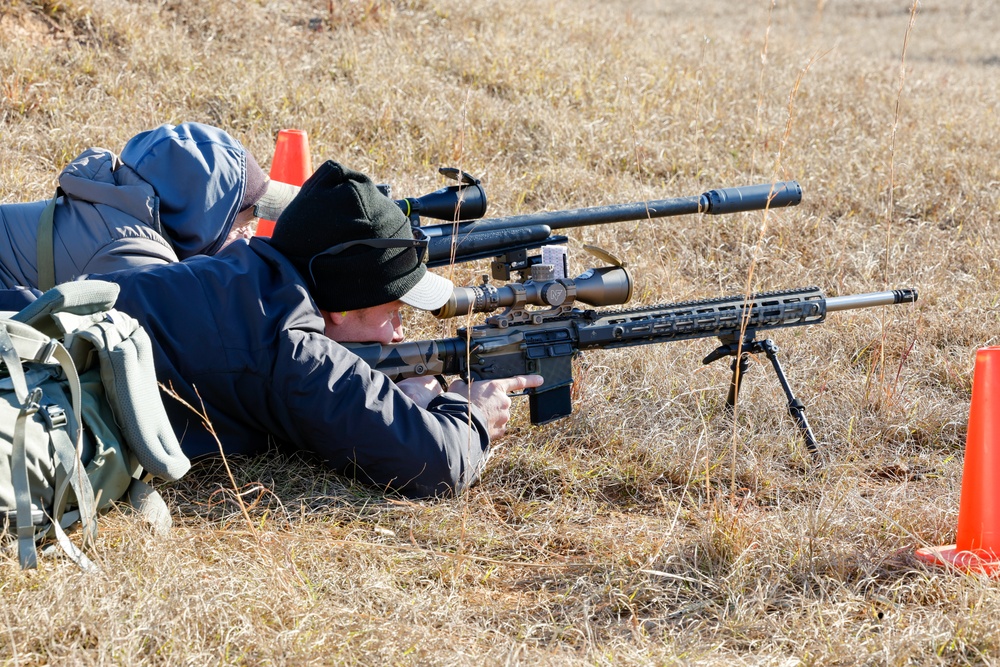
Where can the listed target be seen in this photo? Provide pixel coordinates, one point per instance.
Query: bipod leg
(739, 367)
(741, 362)
(795, 407)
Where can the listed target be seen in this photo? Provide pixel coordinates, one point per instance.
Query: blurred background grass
(648, 528)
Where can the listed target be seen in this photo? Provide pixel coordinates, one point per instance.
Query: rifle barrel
(713, 202)
(871, 299)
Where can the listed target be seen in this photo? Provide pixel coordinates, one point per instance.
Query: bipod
(741, 364)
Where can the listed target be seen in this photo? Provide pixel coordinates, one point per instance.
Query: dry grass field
(649, 528)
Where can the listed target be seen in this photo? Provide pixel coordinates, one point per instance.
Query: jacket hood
(199, 175)
(96, 176)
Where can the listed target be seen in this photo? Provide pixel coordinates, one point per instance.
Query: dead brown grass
(648, 528)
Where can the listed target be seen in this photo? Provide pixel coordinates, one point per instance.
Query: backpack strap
(46, 238)
(73, 473)
(22, 342)
(72, 550)
(19, 463)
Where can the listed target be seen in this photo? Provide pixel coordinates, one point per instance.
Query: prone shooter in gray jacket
(176, 191)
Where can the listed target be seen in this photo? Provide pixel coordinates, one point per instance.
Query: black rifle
(521, 341)
(508, 240)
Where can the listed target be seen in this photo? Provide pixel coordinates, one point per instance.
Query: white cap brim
(430, 293)
(276, 198)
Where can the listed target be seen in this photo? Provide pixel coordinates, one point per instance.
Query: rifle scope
(604, 286)
(465, 201)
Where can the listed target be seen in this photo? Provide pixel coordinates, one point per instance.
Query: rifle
(508, 240)
(519, 341)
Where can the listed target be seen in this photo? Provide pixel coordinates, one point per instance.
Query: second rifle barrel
(871, 299)
(713, 202)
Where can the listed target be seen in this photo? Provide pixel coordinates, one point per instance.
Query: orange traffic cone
(977, 544)
(291, 164)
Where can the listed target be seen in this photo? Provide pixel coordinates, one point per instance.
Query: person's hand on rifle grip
(421, 390)
(492, 397)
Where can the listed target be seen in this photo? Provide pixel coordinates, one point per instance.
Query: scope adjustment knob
(542, 272)
(554, 293)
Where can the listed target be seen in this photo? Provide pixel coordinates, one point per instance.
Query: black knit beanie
(337, 205)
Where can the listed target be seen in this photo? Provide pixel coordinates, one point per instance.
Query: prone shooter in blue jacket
(251, 332)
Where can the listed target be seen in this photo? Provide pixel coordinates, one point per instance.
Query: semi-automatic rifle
(520, 341)
(508, 241)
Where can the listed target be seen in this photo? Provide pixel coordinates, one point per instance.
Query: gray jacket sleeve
(362, 425)
(128, 253)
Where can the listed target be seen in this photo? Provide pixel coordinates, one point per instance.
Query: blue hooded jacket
(174, 193)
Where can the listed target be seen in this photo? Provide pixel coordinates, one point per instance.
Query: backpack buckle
(55, 416)
(47, 352)
(30, 405)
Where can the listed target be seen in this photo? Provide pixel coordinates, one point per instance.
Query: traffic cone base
(972, 562)
(264, 228)
(977, 541)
